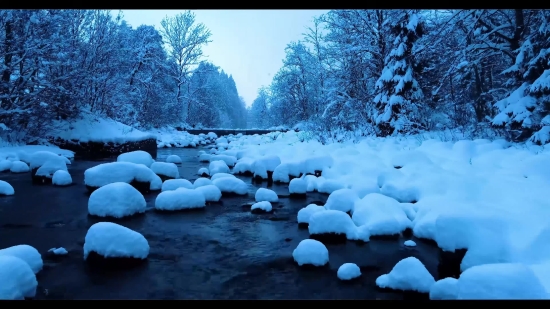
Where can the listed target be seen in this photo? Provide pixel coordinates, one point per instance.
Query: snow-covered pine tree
(397, 91)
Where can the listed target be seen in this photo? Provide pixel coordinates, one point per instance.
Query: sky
(248, 44)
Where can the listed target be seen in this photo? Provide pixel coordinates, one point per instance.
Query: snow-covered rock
(62, 178)
(59, 251)
(263, 194)
(180, 199)
(6, 188)
(211, 193)
(231, 185)
(137, 157)
(5, 165)
(348, 271)
(116, 200)
(203, 172)
(229, 160)
(173, 184)
(200, 182)
(18, 279)
(26, 253)
(166, 170)
(259, 207)
(381, 215)
(218, 167)
(410, 243)
(221, 175)
(173, 159)
(106, 173)
(329, 185)
(269, 162)
(444, 289)
(305, 213)
(47, 163)
(407, 275)
(311, 252)
(111, 240)
(342, 200)
(297, 186)
(19, 167)
(331, 222)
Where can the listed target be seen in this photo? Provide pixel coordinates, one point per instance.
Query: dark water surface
(224, 252)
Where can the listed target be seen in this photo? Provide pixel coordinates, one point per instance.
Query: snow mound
(19, 167)
(263, 194)
(348, 271)
(410, 243)
(381, 215)
(444, 289)
(59, 251)
(27, 253)
(270, 162)
(331, 221)
(5, 165)
(137, 157)
(218, 167)
(407, 275)
(342, 200)
(62, 178)
(229, 160)
(297, 186)
(111, 240)
(47, 163)
(199, 182)
(173, 184)
(221, 175)
(116, 200)
(500, 281)
(6, 188)
(203, 171)
(330, 185)
(211, 193)
(106, 173)
(305, 213)
(180, 199)
(311, 252)
(260, 171)
(165, 169)
(261, 206)
(243, 166)
(173, 159)
(231, 185)
(18, 279)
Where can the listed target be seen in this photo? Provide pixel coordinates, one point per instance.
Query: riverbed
(222, 252)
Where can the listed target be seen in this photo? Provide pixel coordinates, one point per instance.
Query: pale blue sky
(249, 44)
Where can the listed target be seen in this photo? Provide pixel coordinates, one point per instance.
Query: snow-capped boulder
(381, 215)
(221, 175)
(305, 214)
(444, 289)
(342, 200)
(211, 193)
(165, 170)
(180, 199)
(263, 194)
(137, 157)
(6, 188)
(407, 275)
(297, 188)
(19, 167)
(199, 182)
(229, 160)
(18, 279)
(173, 159)
(311, 252)
(261, 207)
(27, 253)
(62, 178)
(348, 271)
(218, 167)
(44, 164)
(5, 165)
(244, 166)
(138, 175)
(231, 185)
(410, 243)
(116, 200)
(331, 226)
(173, 184)
(203, 172)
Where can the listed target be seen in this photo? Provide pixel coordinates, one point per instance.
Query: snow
(331, 221)
(47, 163)
(221, 175)
(200, 182)
(297, 186)
(173, 184)
(29, 254)
(231, 185)
(59, 251)
(407, 275)
(305, 213)
(229, 160)
(61, 178)
(173, 159)
(203, 171)
(444, 289)
(342, 200)
(111, 240)
(348, 271)
(19, 167)
(165, 169)
(260, 170)
(6, 188)
(5, 165)
(270, 162)
(24, 153)
(179, 199)
(410, 243)
(218, 167)
(265, 206)
(381, 215)
(310, 252)
(211, 193)
(18, 279)
(127, 172)
(137, 157)
(116, 200)
(263, 194)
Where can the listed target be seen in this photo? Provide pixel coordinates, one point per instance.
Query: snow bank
(310, 252)
(18, 279)
(29, 254)
(173, 184)
(348, 271)
(165, 169)
(180, 199)
(116, 200)
(407, 275)
(62, 178)
(6, 188)
(137, 157)
(24, 153)
(111, 240)
(263, 194)
(106, 173)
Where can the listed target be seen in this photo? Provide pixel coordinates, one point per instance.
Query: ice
(61, 178)
(310, 252)
(331, 221)
(127, 172)
(444, 289)
(6, 188)
(231, 185)
(173, 159)
(26, 253)
(407, 275)
(19, 167)
(165, 169)
(203, 171)
(382, 215)
(199, 182)
(180, 199)
(348, 271)
(111, 240)
(211, 192)
(263, 194)
(59, 251)
(297, 186)
(218, 167)
(265, 206)
(410, 243)
(116, 200)
(305, 213)
(342, 200)
(137, 157)
(18, 279)
(173, 184)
